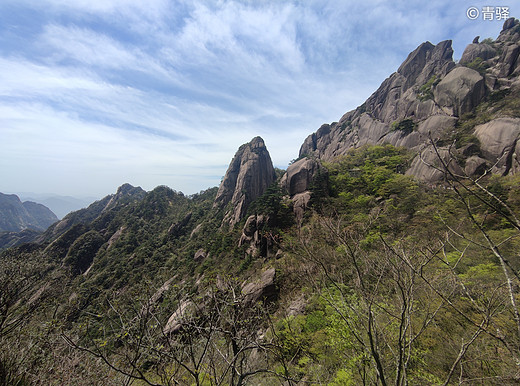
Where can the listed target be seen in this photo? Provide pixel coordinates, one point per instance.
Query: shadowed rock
(262, 289)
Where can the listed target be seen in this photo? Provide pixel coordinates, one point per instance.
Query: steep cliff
(432, 97)
(248, 176)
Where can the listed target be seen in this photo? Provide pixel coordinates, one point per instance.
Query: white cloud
(164, 92)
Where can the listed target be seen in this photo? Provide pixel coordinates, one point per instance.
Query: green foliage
(426, 90)
(386, 259)
(273, 204)
(372, 172)
(82, 251)
(479, 65)
(406, 126)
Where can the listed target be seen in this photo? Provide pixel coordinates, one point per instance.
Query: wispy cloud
(96, 93)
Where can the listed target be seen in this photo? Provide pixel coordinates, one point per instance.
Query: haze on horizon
(97, 93)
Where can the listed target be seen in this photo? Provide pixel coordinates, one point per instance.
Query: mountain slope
(343, 271)
(16, 216)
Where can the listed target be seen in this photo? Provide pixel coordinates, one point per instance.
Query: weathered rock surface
(432, 92)
(124, 192)
(475, 166)
(395, 100)
(428, 166)
(249, 175)
(498, 139)
(262, 289)
(185, 311)
(473, 51)
(179, 228)
(301, 203)
(252, 235)
(200, 255)
(460, 91)
(113, 239)
(300, 175)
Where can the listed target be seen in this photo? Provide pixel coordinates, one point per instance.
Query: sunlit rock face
(249, 175)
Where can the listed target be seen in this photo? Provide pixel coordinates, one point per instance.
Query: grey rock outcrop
(262, 289)
(430, 93)
(124, 193)
(300, 175)
(249, 175)
(252, 235)
(460, 91)
(499, 139)
(473, 51)
(395, 100)
(200, 255)
(299, 179)
(182, 315)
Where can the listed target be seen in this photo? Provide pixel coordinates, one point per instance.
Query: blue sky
(96, 93)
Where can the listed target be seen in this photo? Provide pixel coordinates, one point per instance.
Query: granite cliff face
(430, 96)
(249, 175)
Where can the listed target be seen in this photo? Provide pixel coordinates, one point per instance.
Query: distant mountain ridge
(60, 205)
(16, 215)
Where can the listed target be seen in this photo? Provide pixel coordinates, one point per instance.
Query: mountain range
(387, 252)
(16, 215)
(60, 205)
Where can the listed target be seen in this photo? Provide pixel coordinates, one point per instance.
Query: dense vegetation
(383, 281)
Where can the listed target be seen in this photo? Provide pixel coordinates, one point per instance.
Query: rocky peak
(426, 60)
(249, 175)
(124, 192)
(427, 96)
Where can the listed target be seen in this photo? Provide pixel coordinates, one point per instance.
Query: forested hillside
(348, 268)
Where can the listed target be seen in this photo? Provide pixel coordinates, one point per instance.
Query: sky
(97, 93)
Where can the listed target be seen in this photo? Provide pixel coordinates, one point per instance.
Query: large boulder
(460, 91)
(262, 289)
(473, 51)
(300, 175)
(182, 315)
(498, 140)
(431, 91)
(429, 165)
(249, 175)
(395, 100)
(508, 60)
(253, 236)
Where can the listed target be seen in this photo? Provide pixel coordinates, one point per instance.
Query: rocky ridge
(430, 96)
(16, 215)
(124, 194)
